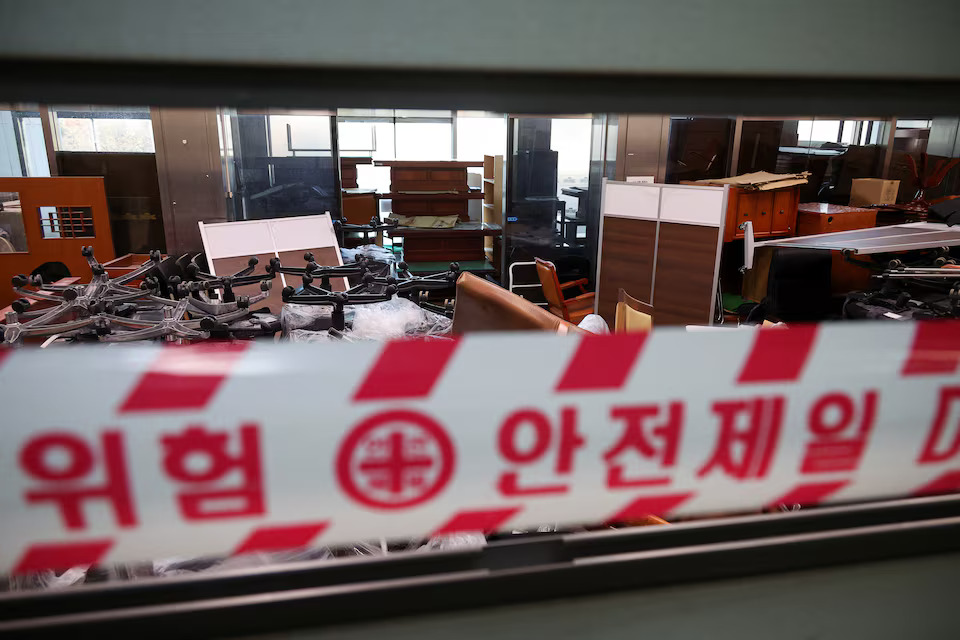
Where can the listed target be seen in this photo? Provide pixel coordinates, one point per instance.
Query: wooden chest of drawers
(773, 213)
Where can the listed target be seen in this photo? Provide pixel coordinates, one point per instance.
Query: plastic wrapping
(371, 251)
(463, 540)
(181, 566)
(308, 316)
(594, 324)
(42, 580)
(307, 336)
(397, 318)
(381, 321)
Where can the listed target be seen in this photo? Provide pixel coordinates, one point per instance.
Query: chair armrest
(582, 296)
(582, 282)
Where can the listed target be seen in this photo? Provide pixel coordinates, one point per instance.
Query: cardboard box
(866, 191)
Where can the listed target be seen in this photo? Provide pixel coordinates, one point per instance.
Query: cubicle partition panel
(661, 244)
(628, 245)
(229, 245)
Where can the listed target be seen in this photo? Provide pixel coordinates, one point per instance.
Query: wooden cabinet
(773, 213)
(426, 175)
(784, 214)
(430, 188)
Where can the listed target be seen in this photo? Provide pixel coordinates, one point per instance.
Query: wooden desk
(814, 218)
(820, 217)
(461, 243)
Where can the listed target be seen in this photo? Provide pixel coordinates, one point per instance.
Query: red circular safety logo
(395, 459)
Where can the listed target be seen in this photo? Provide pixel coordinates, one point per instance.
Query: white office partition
(675, 260)
(688, 204)
(302, 232)
(232, 239)
(631, 200)
(272, 238)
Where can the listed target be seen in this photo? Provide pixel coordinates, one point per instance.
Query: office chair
(572, 310)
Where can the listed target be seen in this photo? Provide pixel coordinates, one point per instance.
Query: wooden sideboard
(773, 213)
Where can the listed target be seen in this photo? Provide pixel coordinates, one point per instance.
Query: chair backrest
(484, 306)
(547, 272)
(632, 314)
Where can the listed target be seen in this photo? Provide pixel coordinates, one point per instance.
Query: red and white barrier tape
(140, 452)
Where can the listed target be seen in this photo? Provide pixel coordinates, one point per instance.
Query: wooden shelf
(430, 164)
(463, 195)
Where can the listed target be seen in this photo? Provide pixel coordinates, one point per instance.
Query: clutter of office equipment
(177, 299)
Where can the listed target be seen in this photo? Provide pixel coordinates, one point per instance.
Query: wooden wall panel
(686, 267)
(627, 262)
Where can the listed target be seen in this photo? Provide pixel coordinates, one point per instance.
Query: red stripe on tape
(406, 369)
(778, 354)
(948, 482)
(651, 506)
(45, 556)
(809, 494)
(294, 536)
(484, 520)
(602, 362)
(184, 377)
(935, 349)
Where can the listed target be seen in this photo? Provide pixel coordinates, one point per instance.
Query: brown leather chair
(484, 306)
(573, 309)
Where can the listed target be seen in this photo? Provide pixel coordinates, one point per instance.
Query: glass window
(482, 135)
(66, 222)
(814, 133)
(299, 135)
(104, 129)
(373, 138)
(282, 165)
(424, 140)
(571, 138)
(911, 138)
(547, 203)
(22, 149)
(13, 237)
(827, 149)
(698, 149)
(911, 135)
(356, 138)
(396, 134)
